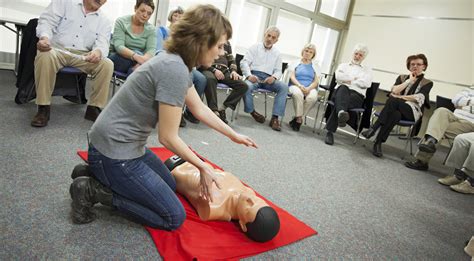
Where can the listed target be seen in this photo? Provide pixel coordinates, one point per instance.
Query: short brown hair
(415, 57)
(198, 30)
(145, 2)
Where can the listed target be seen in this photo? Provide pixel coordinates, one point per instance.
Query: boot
(377, 150)
(85, 192)
(81, 170)
(42, 116)
(329, 138)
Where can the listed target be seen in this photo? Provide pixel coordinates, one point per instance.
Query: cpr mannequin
(233, 201)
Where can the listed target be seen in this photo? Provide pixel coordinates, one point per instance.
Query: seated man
(77, 34)
(224, 70)
(261, 67)
(352, 80)
(232, 201)
(444, 123)
(461, 157)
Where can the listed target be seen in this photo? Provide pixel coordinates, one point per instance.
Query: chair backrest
(445, 103)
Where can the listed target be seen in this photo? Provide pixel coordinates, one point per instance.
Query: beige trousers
(461, 155)
(47, 64)
(443, 123)
(302, 105)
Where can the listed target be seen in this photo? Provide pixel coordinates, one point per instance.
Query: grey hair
(361, 48)
(273, 29)
(309, 46)
(178, 10)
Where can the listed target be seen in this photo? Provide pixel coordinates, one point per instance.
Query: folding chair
(221, 86)
(118, 79)
(410, 132)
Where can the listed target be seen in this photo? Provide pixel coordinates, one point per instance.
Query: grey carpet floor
(364, 208)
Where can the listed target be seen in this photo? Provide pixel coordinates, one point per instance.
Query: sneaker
(258, 117)
(450, 180)
(463, 187)
(417, 164)
(342, 118)
(469, 249)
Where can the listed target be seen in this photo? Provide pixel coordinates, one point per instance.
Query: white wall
(448, 44)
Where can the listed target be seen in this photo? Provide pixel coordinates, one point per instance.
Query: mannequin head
(257, 220)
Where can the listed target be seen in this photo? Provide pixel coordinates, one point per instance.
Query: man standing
(72, 33)
(261, 67)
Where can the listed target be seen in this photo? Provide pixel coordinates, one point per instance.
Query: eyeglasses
(416, 64)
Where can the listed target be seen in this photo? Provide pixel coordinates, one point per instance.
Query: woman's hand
(140, 59)
(207, 177)
(243, 139)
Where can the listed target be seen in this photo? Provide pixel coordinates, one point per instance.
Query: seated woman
(304, 80)
(408, 97)
(231, 200)
(134, 39)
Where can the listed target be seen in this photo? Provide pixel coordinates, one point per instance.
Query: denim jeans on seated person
(199, 81)
(123, 64)
(143, 188)
(278, 87)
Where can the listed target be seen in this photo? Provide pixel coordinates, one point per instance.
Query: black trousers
(344, 99)
(395, 109)
(239, 88)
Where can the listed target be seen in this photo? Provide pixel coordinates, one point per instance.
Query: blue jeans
(199, 81)
(143, 188)
(278, 87)
(123, 64)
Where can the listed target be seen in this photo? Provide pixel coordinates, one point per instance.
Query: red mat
(211, 240)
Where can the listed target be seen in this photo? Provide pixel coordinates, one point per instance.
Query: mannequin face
(247, 207)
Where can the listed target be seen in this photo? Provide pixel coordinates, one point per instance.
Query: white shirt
(464, 99)
(259, 58)
(67, 25)
(360, 76)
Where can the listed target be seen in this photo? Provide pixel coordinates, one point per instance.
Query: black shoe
(190, 117)
(183, 122)
(92, 113)
(369, 133)
(85, 192)
(222, 116)
(342, 118)
(429, 146)
(329, 138)
(417, 164)
(377, 150)
(81, 170)
(293, 124)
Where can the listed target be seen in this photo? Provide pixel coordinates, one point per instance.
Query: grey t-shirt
(122, 128)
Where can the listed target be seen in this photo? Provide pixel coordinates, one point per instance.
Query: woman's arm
(204, 114)
(169, 118)
(398, 88)
(315, 82)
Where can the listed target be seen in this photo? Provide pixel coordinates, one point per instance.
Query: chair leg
(265, 94)
(316, 117)
(78, 89)
(114, 84)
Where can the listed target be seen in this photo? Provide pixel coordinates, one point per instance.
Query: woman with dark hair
(125, 173)
(408, 97)
(134, 38)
